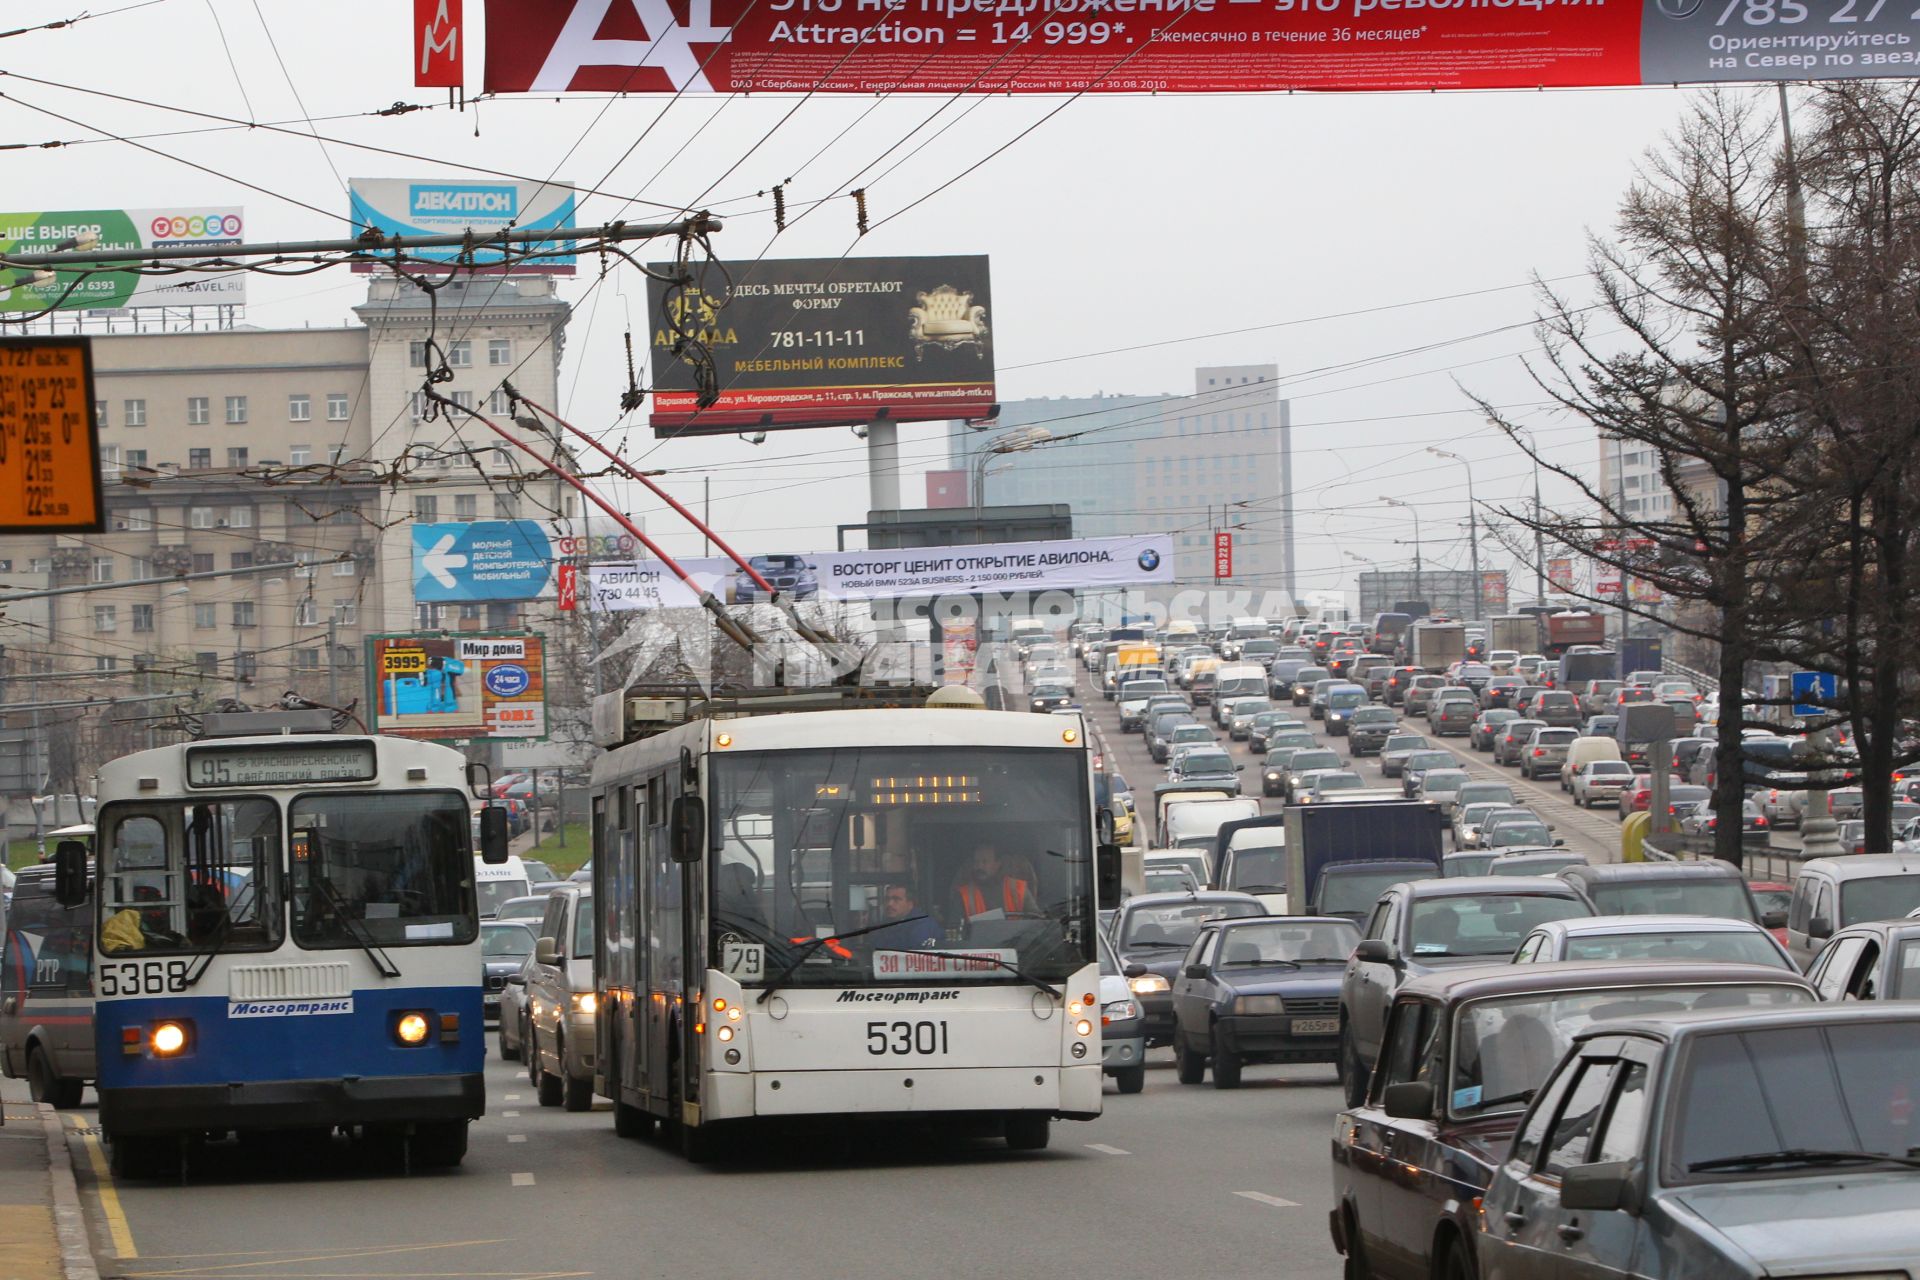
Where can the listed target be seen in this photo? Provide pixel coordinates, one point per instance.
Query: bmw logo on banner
(1150, 559)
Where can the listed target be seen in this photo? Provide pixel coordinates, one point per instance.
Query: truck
(1435, 646)
(1577, 669)
(1639, 653)
(1561, 631)
(1322, 836)
(1515, 631)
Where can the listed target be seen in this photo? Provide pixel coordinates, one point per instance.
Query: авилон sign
(814, 342)
(1181, 46)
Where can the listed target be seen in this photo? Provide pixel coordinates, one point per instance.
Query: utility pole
(706, 513)
(333, 660)
(1473, 533)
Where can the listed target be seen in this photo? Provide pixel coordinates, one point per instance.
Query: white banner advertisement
(892, 575)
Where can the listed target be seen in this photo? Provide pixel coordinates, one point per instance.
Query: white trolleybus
(285, 938)
(880, 910)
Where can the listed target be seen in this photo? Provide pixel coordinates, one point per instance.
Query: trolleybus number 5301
(885, 1038)
(143, 978)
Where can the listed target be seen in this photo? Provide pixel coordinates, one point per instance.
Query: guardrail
(1778, 865)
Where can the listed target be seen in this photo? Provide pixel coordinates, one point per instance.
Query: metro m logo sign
(437, 38)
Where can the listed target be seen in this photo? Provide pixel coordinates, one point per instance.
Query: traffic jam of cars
(1553, 1058)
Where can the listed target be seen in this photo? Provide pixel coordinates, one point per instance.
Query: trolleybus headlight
(1084, 1027)
(585, 1002)
(724, 1034)
(168, 1039)
(412, 1028)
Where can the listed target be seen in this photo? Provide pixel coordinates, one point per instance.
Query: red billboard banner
(569, 588)
(1175, 46)
(1493, 588)
(1560, 573)
(1223, 555)
(439, 39)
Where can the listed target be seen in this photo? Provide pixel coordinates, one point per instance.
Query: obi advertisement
(442, 207)
(459, 686)
(133, 230)
(1180, 46)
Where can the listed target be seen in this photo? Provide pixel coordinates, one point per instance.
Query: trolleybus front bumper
(293, 1104)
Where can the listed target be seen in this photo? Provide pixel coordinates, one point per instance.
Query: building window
(336, 454)
(469, 613)
(237, 457)
(100, 413)
(429, 617)
(308, 613)
(204, 617)
(346, 612)
(110, 462)
(105, 664)
(199, 459)
(206, 660)
(460, 354)
(197, 411)
(106, 617)
(139, 519)
(240, 517)
(299, 455)
(136, 412)
(309, 658)
(466, 506)
(506, 506)
(142, 568)
(199, 517)
(203, 562)
(236, 410)
(299, 408)
(499, 351)
(103, 568)
(345, 567)
(502, 616)
(464, 399)
(136, 459)
(426, 508)
(417, 406)
(303, 564)
(416, 355)
(344, 515)
(143, 617)
(497, 402)
(40, 564)
(242, 560)
(242, 613)
(246, 664)
(338, 406)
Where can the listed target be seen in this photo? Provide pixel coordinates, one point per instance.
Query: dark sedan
(1369, 728)
(1464, 1054)
(1265, 990)
(1155, 930)
(504, 948)
(1048, 696)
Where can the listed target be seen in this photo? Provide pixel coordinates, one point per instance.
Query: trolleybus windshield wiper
(812, 945)
(381, 960)
(219, 940)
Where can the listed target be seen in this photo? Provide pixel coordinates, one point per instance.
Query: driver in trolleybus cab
(989, 889)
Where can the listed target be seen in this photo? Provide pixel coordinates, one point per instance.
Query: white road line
(512, 1097)
(509, 1115)
(526, 1180)
(516, 1137)
(1260, 1196)
(1106, 1150)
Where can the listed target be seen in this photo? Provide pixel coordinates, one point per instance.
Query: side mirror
(1597, 1186)
(70, 873)
(517, 979)
(1374, 951)
(494, 836)
(479, 780)
(688, 835)
(1558, 841)
(546, 951)
(1196, 971)
(1773, 919)
(1819, 927)
(1239, 768)
(1410, 1100)
(1135, 971)
(1106, 870)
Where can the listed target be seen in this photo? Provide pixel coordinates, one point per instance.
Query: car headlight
(1272, 776)
(1336, 715)
(1119, 1011)
(585, 1002)
(1148, 984)
(1259, 1004)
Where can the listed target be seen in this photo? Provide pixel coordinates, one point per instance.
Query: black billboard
(818, 342)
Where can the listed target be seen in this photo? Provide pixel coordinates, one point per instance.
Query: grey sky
(1121, 221)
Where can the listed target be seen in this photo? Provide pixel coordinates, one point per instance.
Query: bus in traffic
(872, 910)
(285, 939)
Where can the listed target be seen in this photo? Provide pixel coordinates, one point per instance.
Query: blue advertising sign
(1814, 684)
(507, 680)
(434, 207)
(484, 560)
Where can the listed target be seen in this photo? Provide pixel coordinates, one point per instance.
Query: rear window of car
(1486, 924)
(1692, 897)
(1610, 768)
(1555, 737)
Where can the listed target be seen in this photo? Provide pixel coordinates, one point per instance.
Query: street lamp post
(1473, 532)
(1418, 589)
(1019, 440)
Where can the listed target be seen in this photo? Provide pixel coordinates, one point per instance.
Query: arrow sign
(483, 560)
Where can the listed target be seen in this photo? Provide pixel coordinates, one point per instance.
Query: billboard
(1179, 46)
(815, 342)
(458, 686)
(481, 560)
(447, 206)
(134, 230)
(906, 573)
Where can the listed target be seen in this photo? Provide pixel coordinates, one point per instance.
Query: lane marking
(1106, 1150)
(118, 1229)
(512, 1097)
(516, 1137)
(1264, 1198)
(509, 1115)
(522, 1179)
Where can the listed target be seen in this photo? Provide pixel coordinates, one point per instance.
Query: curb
(69, 1219)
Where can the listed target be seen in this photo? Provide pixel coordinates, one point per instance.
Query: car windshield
(1142, 688)
(1512, 835)
(1321, 759)
(1486, 924)
(1767, 1090)
(1505, 1047)
(1343, 699)
(988, 849)
(1726, 898)
(1191, 733)
(190, 876)
(1353, 893)
(1738, 945)
(1289, 942)
(1174, 925)
(1371, 715)
(388, 869)
(1258, 870)
(1878, 898)
(505, 941)
(1205, 762)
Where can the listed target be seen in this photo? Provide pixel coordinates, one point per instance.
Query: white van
(1240, 680)
(1582, 752)
(495, 884)
(1194, 825)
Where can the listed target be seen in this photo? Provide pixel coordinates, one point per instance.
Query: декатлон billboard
(454, 206)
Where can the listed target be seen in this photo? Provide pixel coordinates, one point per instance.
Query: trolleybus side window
(190, 876)
(385, 868)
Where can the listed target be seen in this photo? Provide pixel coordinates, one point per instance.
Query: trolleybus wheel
(143, 1157)
(1028, 1131)
(696, 1142)
(630, 1122)
(440, 1145)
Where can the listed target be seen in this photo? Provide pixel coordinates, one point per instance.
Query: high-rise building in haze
(1188, 465)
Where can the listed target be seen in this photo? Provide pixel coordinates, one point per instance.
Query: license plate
(1316, 1026)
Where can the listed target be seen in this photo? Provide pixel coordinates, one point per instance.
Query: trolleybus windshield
(980, 852)
(382, 868)
(188, 876)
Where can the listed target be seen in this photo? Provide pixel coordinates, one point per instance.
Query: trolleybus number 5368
(143, 978)
(885, 1038)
